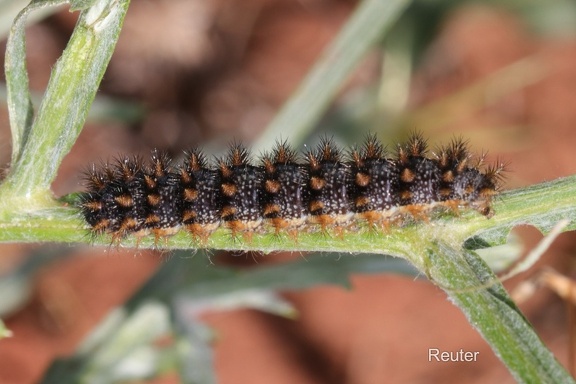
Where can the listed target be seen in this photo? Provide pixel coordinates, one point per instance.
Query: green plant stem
(541, 205)
(40, 145)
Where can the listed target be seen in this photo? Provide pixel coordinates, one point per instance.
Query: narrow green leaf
(464, 276)
(40, 145)
(19, 103)
(362, 31)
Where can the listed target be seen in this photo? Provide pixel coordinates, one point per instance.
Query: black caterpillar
(325, 191)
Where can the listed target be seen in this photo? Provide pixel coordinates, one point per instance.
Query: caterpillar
(285, 192)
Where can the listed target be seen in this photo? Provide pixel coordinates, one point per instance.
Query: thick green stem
(541, 205)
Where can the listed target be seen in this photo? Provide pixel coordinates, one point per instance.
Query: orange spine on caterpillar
(284, 194)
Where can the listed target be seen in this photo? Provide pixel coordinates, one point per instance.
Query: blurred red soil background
(221, 69)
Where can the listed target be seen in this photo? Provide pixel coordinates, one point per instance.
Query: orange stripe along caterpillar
(286, 194)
